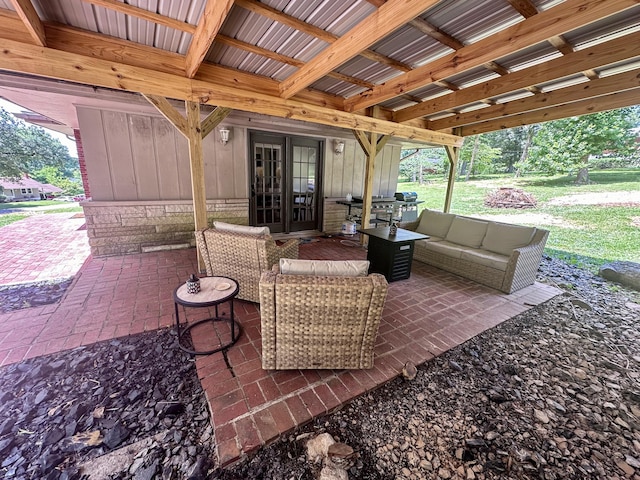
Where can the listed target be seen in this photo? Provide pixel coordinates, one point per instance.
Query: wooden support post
(453, 153)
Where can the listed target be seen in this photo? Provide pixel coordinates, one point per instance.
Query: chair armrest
(409, 225)
(267, 287)
(289, 249)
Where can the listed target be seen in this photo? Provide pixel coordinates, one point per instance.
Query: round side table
(213, 292)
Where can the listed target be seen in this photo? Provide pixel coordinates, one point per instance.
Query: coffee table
(213, 292)
(391, 255)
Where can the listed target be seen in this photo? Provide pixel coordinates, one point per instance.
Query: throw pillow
(334, 268)
(435, 224)
(232, 227)
(503, 238)
(467, 232)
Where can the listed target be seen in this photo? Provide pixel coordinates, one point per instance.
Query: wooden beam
(31, 20)
(196, 163)
(169, 112)
(379, 24)
(435, 33)
(584, 107)
(453, 153)
(524, 7)
(595, 88)
(606, 53)
(46, 62)
(313, 31)
(213, 120)
(564, 17)
(144, 14)
(215, 11)
(248, 47)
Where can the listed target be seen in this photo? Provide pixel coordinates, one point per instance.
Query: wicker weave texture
(319, 321)
(521, 269)
(242, 257)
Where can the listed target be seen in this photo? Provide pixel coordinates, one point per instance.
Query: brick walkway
(424, 316)
(42, 247)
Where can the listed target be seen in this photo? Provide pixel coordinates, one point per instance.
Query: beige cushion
(335, 268)
(445, 248)
(435, 224)
(232, 227)
(467, 232)
(502, 238)
(486, 258)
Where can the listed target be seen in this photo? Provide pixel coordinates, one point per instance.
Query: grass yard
(590, 224)
(10, 218)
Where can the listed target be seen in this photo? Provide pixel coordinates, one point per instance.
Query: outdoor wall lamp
(338, 146)
(224, 134)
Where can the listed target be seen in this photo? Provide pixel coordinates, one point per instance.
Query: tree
(71, 184)
(415, 163)
(26, 149)
(565, 146)
(477, 156)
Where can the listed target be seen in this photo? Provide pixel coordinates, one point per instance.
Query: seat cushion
(444, 248)
(232, 227)
(486, 258)
(504, 238)
(435, 224)
(467, 232)
(332, 268)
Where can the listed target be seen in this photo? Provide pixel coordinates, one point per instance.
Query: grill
(406, 196)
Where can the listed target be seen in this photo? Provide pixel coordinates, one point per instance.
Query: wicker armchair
(312, 321)
(242, 257)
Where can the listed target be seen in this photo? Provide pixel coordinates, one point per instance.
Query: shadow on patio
(424, 316)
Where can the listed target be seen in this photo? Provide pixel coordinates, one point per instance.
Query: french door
(285, 182)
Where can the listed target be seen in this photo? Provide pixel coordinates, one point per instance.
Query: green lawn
(10, 218)
(34, 204)
(586, 235)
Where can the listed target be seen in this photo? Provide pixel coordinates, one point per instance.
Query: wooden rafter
(434, 32)
(313, 31)
(383, 21)
(31, 20)
(23, 58)
(169, 112)
(593, 57)
(564, 17)
(213, 120)
(144, 14)
(592, 89)
(215, 11)
(249, 47)
(584, 107)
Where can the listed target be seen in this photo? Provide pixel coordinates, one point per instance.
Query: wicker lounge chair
(242, 256)
(318, 321)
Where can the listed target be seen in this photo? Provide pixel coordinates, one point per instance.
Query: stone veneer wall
(116, 228)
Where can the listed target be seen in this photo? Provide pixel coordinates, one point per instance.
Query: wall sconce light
(338, 146)
(224, 134)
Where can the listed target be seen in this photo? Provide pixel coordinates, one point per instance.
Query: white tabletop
(212, 290)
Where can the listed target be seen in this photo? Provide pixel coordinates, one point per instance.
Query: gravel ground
(551, 394)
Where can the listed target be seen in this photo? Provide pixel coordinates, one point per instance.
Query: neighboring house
(26, 189)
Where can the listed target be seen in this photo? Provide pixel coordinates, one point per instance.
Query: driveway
(43, 247)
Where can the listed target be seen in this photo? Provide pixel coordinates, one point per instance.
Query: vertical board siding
(118, 141)
(144, 152)
(95, 153)
(165, 141)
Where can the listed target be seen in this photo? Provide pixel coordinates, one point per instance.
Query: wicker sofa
(313, 316)
(242, 253)
(500, 255)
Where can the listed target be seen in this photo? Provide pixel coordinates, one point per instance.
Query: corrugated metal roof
(542, 52)
(411, 47)
(472, 77)
(605, 29)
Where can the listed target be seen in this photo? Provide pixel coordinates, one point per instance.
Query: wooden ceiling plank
(524, 7)
(46, 62)
(169, 112)
(584, 107)
(144, 14)
(31, 20)
(497, 68)
(564, 17)
(616, 50)
(390, 16)
(592, 89)
(215, 11)
(213, 120)
(313, 31)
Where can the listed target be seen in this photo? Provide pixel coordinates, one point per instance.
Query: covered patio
(112, 297)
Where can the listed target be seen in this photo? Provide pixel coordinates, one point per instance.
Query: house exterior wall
(137, 166)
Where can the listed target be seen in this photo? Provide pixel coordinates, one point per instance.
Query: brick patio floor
(110, 297)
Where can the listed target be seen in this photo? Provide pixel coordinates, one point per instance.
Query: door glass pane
(304, 166)
(268, 183)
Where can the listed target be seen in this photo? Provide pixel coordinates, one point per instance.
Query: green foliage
(53, 176)
(417, 164)
(11, 218)
(25, 149)
(566, 145)
(483, 161)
